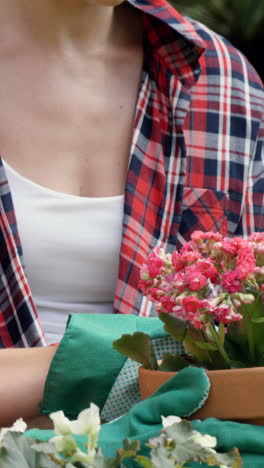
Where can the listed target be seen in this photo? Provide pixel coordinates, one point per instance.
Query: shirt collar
(177, 42)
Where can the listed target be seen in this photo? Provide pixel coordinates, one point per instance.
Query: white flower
(64, 444)
(82, 457)
(62, 425)
(206, 440)
(18, 426)
(88, 421)
(166, 422)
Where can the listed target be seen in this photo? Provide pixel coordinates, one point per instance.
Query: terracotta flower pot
(236, 394)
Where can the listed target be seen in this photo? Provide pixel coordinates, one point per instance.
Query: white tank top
(71, 250)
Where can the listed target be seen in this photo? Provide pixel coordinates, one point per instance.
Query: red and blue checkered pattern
(196, 162)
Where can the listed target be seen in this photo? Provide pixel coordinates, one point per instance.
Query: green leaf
(129, 450)
(193, 335)
(206, 346)
(175, 326)
(17, 453)
(131, 445)
(185, 333)
(137, 347)
(173, 363)
(257, 320)
(221, 333)
(144, 461)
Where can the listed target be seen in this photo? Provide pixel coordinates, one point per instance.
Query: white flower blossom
(88, 421)
(204, 440)
(64, 443)
(62, 425)
(169, 420)
(83, 457)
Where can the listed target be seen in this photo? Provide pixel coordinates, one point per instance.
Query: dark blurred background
(240, 21)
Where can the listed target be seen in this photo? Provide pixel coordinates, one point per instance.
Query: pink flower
(197, 320)
(225, 314)
(193, 304)
(196, 311)
(195, 279)
(154, 294)
(233, 245)
(207, 268)
(180, 281)
(199, 236)
(155, 263)
(256, 237)
(246, 263)
(166, 304)
(177, 261)
(189, 253)
(234, 265)
(167, 283)
(145, 281)
(230, 282)
(228, 246)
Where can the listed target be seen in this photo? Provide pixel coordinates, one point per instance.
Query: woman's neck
(58, 23)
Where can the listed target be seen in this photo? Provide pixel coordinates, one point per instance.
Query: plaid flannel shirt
(196, 162)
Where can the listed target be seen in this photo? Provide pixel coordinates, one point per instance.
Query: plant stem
(251, 345)
(204, 338)
(219, 345)
(249, 311)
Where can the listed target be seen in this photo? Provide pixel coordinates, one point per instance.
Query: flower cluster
(87, 423)
(176, 445)
(209, 280)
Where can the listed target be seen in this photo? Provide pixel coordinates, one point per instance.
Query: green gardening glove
(85, 365)
(182, 395)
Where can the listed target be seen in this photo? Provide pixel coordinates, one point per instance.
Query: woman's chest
(71, 133)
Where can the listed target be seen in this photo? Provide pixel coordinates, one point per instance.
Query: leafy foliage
(241, 18)
(137, 347)
(172, 363)
(176, 445)
(17, 452)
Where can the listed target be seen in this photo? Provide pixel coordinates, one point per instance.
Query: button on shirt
(196, 162)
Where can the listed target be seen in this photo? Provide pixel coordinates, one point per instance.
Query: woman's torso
(66, 124)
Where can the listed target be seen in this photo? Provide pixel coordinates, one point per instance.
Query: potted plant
(210, 297)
